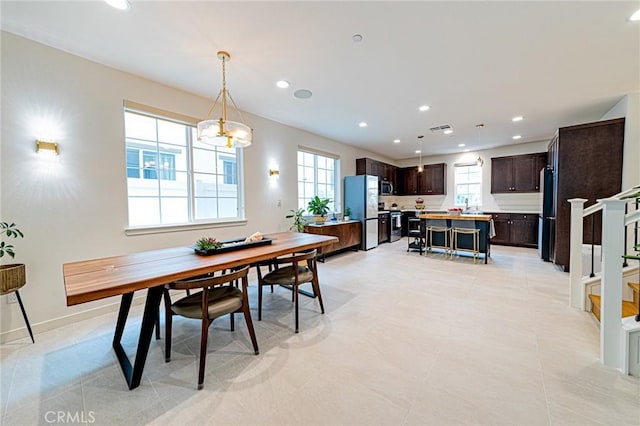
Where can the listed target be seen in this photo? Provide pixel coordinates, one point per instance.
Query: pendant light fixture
(223, 132)
(479, 160)
(420, 168)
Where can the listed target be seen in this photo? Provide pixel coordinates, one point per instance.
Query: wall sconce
(50, 147)
(479, 161)
(274, 173)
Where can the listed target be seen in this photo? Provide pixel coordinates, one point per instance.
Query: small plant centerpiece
(298, 220)
(319, 207)
(206, 244)
(347, 213)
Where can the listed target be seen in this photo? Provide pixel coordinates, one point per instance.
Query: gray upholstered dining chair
(215, 300)
(292, 275)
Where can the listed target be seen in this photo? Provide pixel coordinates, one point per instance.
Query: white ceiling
(557, 63)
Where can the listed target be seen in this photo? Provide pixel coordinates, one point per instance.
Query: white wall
(526, 203)
(629, 107)
(74, 207)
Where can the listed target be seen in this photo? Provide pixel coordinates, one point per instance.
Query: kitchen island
(482, 222)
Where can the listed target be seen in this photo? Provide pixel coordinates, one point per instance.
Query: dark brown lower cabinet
(515, 229)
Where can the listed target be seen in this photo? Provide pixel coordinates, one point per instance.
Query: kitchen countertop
(479, 217)
(331, 222)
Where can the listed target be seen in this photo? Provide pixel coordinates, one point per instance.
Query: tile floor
(406, 340)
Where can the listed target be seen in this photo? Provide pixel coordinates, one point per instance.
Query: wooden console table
(349, 235)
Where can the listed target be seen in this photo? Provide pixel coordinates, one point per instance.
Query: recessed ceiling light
(516, 137)
(396, 141)
(302, 94)
(460, 145)
(518, 118)
(357, 38)
(418, 151)
(467, 150)
(119, 4)
(424, 108)
(283, 84)
(363, 124)
(635, 16)
(448, 132)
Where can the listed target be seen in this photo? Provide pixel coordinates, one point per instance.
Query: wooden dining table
(95, 279)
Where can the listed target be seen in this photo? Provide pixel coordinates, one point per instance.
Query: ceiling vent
(438, 128)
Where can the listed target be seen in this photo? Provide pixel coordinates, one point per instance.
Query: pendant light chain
(224, 89)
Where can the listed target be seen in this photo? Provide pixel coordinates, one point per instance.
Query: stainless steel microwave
(386, 188)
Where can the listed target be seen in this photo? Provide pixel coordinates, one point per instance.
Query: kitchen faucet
(466, 204)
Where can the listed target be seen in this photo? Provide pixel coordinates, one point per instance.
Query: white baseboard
(19, 333)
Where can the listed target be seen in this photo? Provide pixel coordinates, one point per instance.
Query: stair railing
(615, 223)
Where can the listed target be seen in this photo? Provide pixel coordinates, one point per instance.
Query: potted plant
(12, 276)
(319, 207)
(10, 230)
(347, 213)
(298, 220)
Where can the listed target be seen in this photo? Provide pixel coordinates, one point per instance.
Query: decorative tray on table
(233, 245)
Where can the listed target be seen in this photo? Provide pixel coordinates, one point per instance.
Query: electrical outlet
(279, 204)
(11, 298)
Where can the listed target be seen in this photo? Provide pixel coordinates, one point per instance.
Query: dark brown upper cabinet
(517, 173)
(385, 172)
(431, 181)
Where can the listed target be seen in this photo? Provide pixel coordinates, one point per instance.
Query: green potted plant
(13, 275)
(319, 207)
(347, 213)
(10, 230)
(298, 220)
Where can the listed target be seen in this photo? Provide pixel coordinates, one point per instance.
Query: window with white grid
(468, 185)
(317, 175)
(172, 179)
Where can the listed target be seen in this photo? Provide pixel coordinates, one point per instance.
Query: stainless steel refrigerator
(361, 196)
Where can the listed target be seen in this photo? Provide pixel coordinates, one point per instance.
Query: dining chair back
(299, 269)
(214, 300)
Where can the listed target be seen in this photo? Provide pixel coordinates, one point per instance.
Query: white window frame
(335, 201)
(239, 220)
(456, 168)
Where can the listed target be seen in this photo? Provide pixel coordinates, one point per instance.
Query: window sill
(161, 229)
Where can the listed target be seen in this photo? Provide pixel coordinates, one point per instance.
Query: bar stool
(439, 226)
(465, 227)
(415, 230)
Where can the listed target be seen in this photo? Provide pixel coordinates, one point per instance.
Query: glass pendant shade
(223, 132)
(230, 134)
